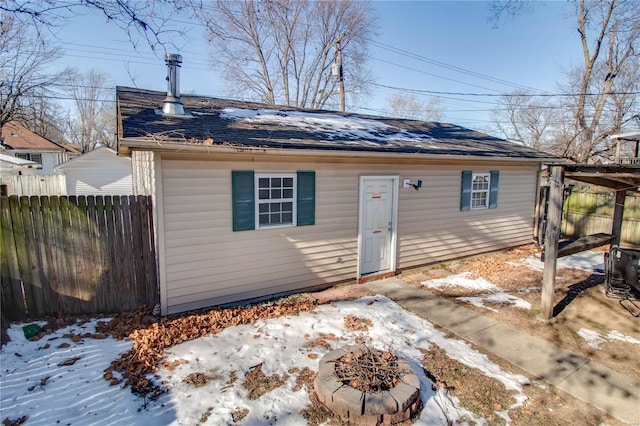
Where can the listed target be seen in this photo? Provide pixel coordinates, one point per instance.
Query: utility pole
(340, 72)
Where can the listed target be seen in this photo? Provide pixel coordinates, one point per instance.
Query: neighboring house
(253, 200)
(21, 142)
(98, 172)
(10, 165)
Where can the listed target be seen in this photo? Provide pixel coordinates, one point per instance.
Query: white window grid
(480, 185)
(275, 200)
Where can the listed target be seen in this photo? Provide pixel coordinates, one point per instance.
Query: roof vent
(173, 103)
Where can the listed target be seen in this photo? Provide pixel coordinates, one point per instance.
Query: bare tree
(409, 106)
(524, 119)
(43, 116)
(601, 94)
(93, 121)
(139, 20)
(25, 75)
(280, 51)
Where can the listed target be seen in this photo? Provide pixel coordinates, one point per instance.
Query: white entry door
(377, 224)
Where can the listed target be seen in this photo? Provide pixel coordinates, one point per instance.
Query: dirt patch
(353, 323)
(580, 303)
(198, 379)
(257, 383)
(489, 399)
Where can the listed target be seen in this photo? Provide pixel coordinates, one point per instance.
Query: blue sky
(530, 51)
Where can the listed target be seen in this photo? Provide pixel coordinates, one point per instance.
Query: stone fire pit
(395, 405)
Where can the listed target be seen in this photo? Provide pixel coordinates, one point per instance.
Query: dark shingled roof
(209, 126)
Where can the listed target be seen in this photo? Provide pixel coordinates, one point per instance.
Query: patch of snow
(595, 339)
(78, 394)
(461, 280)
(500, 298)
(494, 293)
(592, 338)
(334, 126)
(587, 260)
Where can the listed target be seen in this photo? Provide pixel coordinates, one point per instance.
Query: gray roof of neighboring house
(230, 123)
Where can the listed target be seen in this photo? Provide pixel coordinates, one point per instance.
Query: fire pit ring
(392, 406)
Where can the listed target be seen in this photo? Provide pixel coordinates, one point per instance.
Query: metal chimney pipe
(173, 103)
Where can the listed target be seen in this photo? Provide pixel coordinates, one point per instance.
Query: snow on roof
(337, 127)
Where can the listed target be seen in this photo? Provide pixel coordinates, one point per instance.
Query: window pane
(274, 202)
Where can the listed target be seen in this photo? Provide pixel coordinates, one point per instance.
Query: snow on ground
(587, 260)
(595, 339)
(491, 292)
(32, 382)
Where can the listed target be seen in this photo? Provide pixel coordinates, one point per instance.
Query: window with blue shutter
(479, 190)
(306, 198)
(465, 192)
(270, 199)
(493, 191)
(243, 199)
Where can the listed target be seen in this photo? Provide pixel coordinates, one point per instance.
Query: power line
(448, 66)
(529, 95)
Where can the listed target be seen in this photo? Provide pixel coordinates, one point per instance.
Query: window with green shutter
(264, 200)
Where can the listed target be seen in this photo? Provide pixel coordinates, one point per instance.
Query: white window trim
(257, 177)
(474, 191)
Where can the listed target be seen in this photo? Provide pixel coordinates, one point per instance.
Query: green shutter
(306, 198)
(465, 192)
(493, 189)
(243, 199)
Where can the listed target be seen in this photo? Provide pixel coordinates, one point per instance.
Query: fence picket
(12, 298)
(75, 255)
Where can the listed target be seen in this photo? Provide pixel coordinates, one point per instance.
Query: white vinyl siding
(206, 263)
(98, 172)
(143, 172)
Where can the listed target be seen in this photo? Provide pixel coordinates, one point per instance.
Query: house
(253, 200)
(10, 165)
(21, 142)
(98, 172)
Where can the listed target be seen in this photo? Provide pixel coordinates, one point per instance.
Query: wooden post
(618, 211)
(551, 238)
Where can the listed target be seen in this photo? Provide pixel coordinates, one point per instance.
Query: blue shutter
(306, 198)
(243, 199)
(493, 189)
(465, 191)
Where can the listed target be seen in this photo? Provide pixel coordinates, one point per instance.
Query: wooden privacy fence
(588, 212)
(85, 254)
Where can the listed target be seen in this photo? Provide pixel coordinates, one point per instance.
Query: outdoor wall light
(406, 183)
